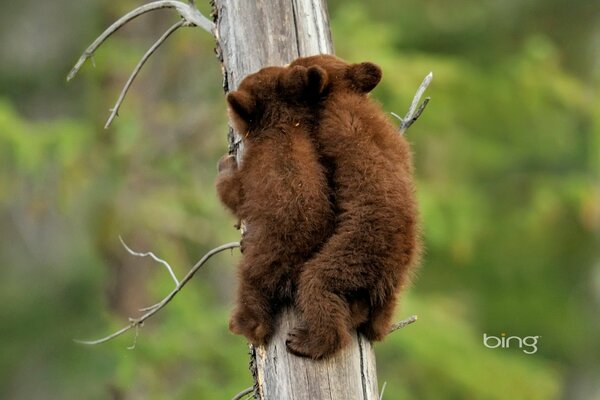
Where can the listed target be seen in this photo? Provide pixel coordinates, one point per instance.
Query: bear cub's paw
(226, 164)
(258, 330)
(302, 343)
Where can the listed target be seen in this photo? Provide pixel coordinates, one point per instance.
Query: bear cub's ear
(317, 80)
(308, 82)
(364, 76)
(242, 104)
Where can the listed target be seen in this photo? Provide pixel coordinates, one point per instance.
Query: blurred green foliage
(508, 170)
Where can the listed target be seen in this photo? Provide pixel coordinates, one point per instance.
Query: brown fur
(353, 281)
(283, 188)
(280, 191)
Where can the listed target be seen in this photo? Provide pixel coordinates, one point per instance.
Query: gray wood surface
(252, 34)
(350, 374)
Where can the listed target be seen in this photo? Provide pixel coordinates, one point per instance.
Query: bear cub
(326, 189)
(279, 190)
(352, 282)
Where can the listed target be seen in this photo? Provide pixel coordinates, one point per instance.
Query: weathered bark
(251, 35)
(350, 374)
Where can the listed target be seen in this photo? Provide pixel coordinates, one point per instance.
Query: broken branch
(154, 257)
(403, 323)
(243, 393)
(382, 390)
(114, 112)
(139, 322)
(188, 12)
(413, 112)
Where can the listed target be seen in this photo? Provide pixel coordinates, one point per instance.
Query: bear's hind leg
(325, 326)
(253, 315)
(380, 321)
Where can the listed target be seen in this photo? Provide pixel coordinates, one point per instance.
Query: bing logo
(528, 343)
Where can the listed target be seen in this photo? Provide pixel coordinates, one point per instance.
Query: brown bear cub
(352, 282)
(325, 187)
(280, 191)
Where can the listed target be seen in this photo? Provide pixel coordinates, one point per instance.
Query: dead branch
(190, 16)
(243, 393)
(114, 112)
(188, 12)
(154, 257)
(382, 390)
(150, 311)
(413, 112)
(403, 323)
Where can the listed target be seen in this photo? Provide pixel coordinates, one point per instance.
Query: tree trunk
(251, 35)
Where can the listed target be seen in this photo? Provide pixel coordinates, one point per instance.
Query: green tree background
(508, 171)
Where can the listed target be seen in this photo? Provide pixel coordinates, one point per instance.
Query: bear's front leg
(253, 315)
(228, 183)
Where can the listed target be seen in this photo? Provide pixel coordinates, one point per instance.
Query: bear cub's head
(275, 96)
(343, 77)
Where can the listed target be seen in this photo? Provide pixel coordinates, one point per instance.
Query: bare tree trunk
(251, 35)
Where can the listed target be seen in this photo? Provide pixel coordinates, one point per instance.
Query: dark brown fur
(280, 191)
(354, 279)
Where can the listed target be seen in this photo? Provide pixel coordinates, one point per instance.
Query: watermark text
(528, 343)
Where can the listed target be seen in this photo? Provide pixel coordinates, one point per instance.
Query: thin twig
(417, 98)
(107, 338)
(149, 307)
(243, 393)
(414, 112)
(135, 338)
(138, 322)
(403, 323)
(114, 112)
(382, 390)
(188, 12)
(154, 257)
